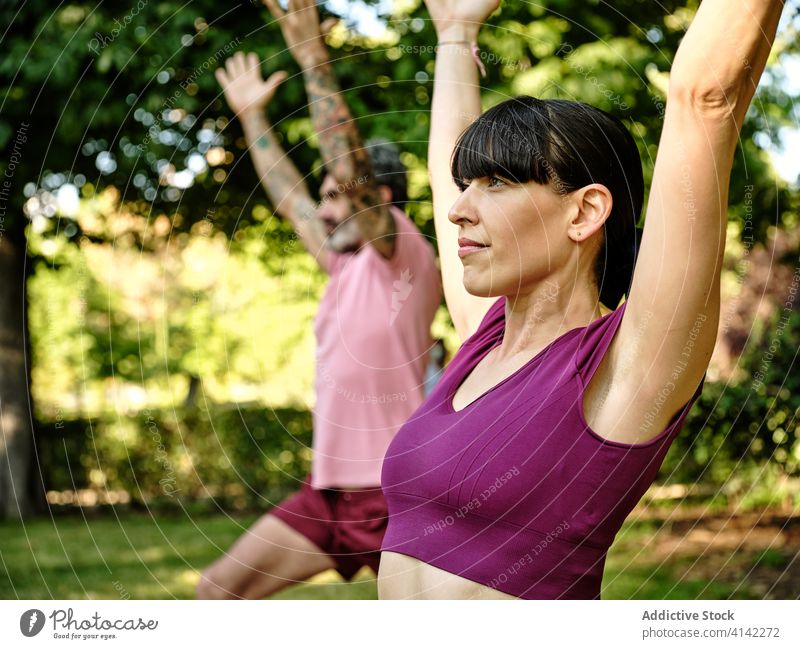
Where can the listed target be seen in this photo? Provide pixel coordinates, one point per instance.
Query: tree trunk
(17, 490)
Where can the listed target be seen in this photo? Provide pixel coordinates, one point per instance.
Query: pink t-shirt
(373, 338)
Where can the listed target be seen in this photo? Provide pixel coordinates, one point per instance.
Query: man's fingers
(301, 5)
(311, 5)
(327, 25)
(274, 8)
(241, 63)
(305, 4)
(253, 64)
(276, 79)
(222, 78)
(232, 65)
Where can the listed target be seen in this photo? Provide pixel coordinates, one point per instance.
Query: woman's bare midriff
(404, 577)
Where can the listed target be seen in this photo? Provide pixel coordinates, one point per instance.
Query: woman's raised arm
(456, 104)
(671, 319)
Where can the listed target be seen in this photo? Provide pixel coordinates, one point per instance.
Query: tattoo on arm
(281, 180)
(284, 186)
(344, 155)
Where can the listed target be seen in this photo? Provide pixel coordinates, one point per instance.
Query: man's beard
(345, 237)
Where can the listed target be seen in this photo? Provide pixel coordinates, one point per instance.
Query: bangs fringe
(504, 144)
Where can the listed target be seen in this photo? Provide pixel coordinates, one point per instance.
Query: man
(372, 327)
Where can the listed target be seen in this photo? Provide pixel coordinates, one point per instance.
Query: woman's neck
(536, 318)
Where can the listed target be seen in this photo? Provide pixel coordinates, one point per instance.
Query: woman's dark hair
(569, 145)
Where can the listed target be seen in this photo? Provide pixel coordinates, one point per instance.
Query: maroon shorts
(347, 525)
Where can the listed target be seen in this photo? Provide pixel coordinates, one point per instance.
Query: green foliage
(135, 84)
(241, 457)
(735, 431)
(228, 313)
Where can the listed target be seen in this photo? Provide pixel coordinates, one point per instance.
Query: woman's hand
(460, 18)
(244, 87)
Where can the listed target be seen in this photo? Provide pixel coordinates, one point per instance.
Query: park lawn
(133, 556)
(136, 556)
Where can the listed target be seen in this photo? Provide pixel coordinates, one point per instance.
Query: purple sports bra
(516, 491)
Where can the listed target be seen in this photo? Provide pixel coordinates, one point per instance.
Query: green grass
(139, 557)
(135, 556)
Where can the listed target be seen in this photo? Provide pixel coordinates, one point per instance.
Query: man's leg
(362, 517)
(269, 556)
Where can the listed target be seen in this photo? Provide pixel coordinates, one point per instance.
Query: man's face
(336, 215)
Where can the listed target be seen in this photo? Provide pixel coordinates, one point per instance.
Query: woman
(514, 476)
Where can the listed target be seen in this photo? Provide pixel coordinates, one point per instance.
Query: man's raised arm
(248, 95)
(340, 143)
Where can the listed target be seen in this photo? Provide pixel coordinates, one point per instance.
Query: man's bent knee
(211, 586)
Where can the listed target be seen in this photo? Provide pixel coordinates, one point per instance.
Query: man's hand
(302, 30)
(248, 96)
(460, 16)
(244, 87)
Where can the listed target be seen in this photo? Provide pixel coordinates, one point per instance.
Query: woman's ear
(593, 205)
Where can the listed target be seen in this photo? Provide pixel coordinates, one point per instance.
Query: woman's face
(523, 230)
